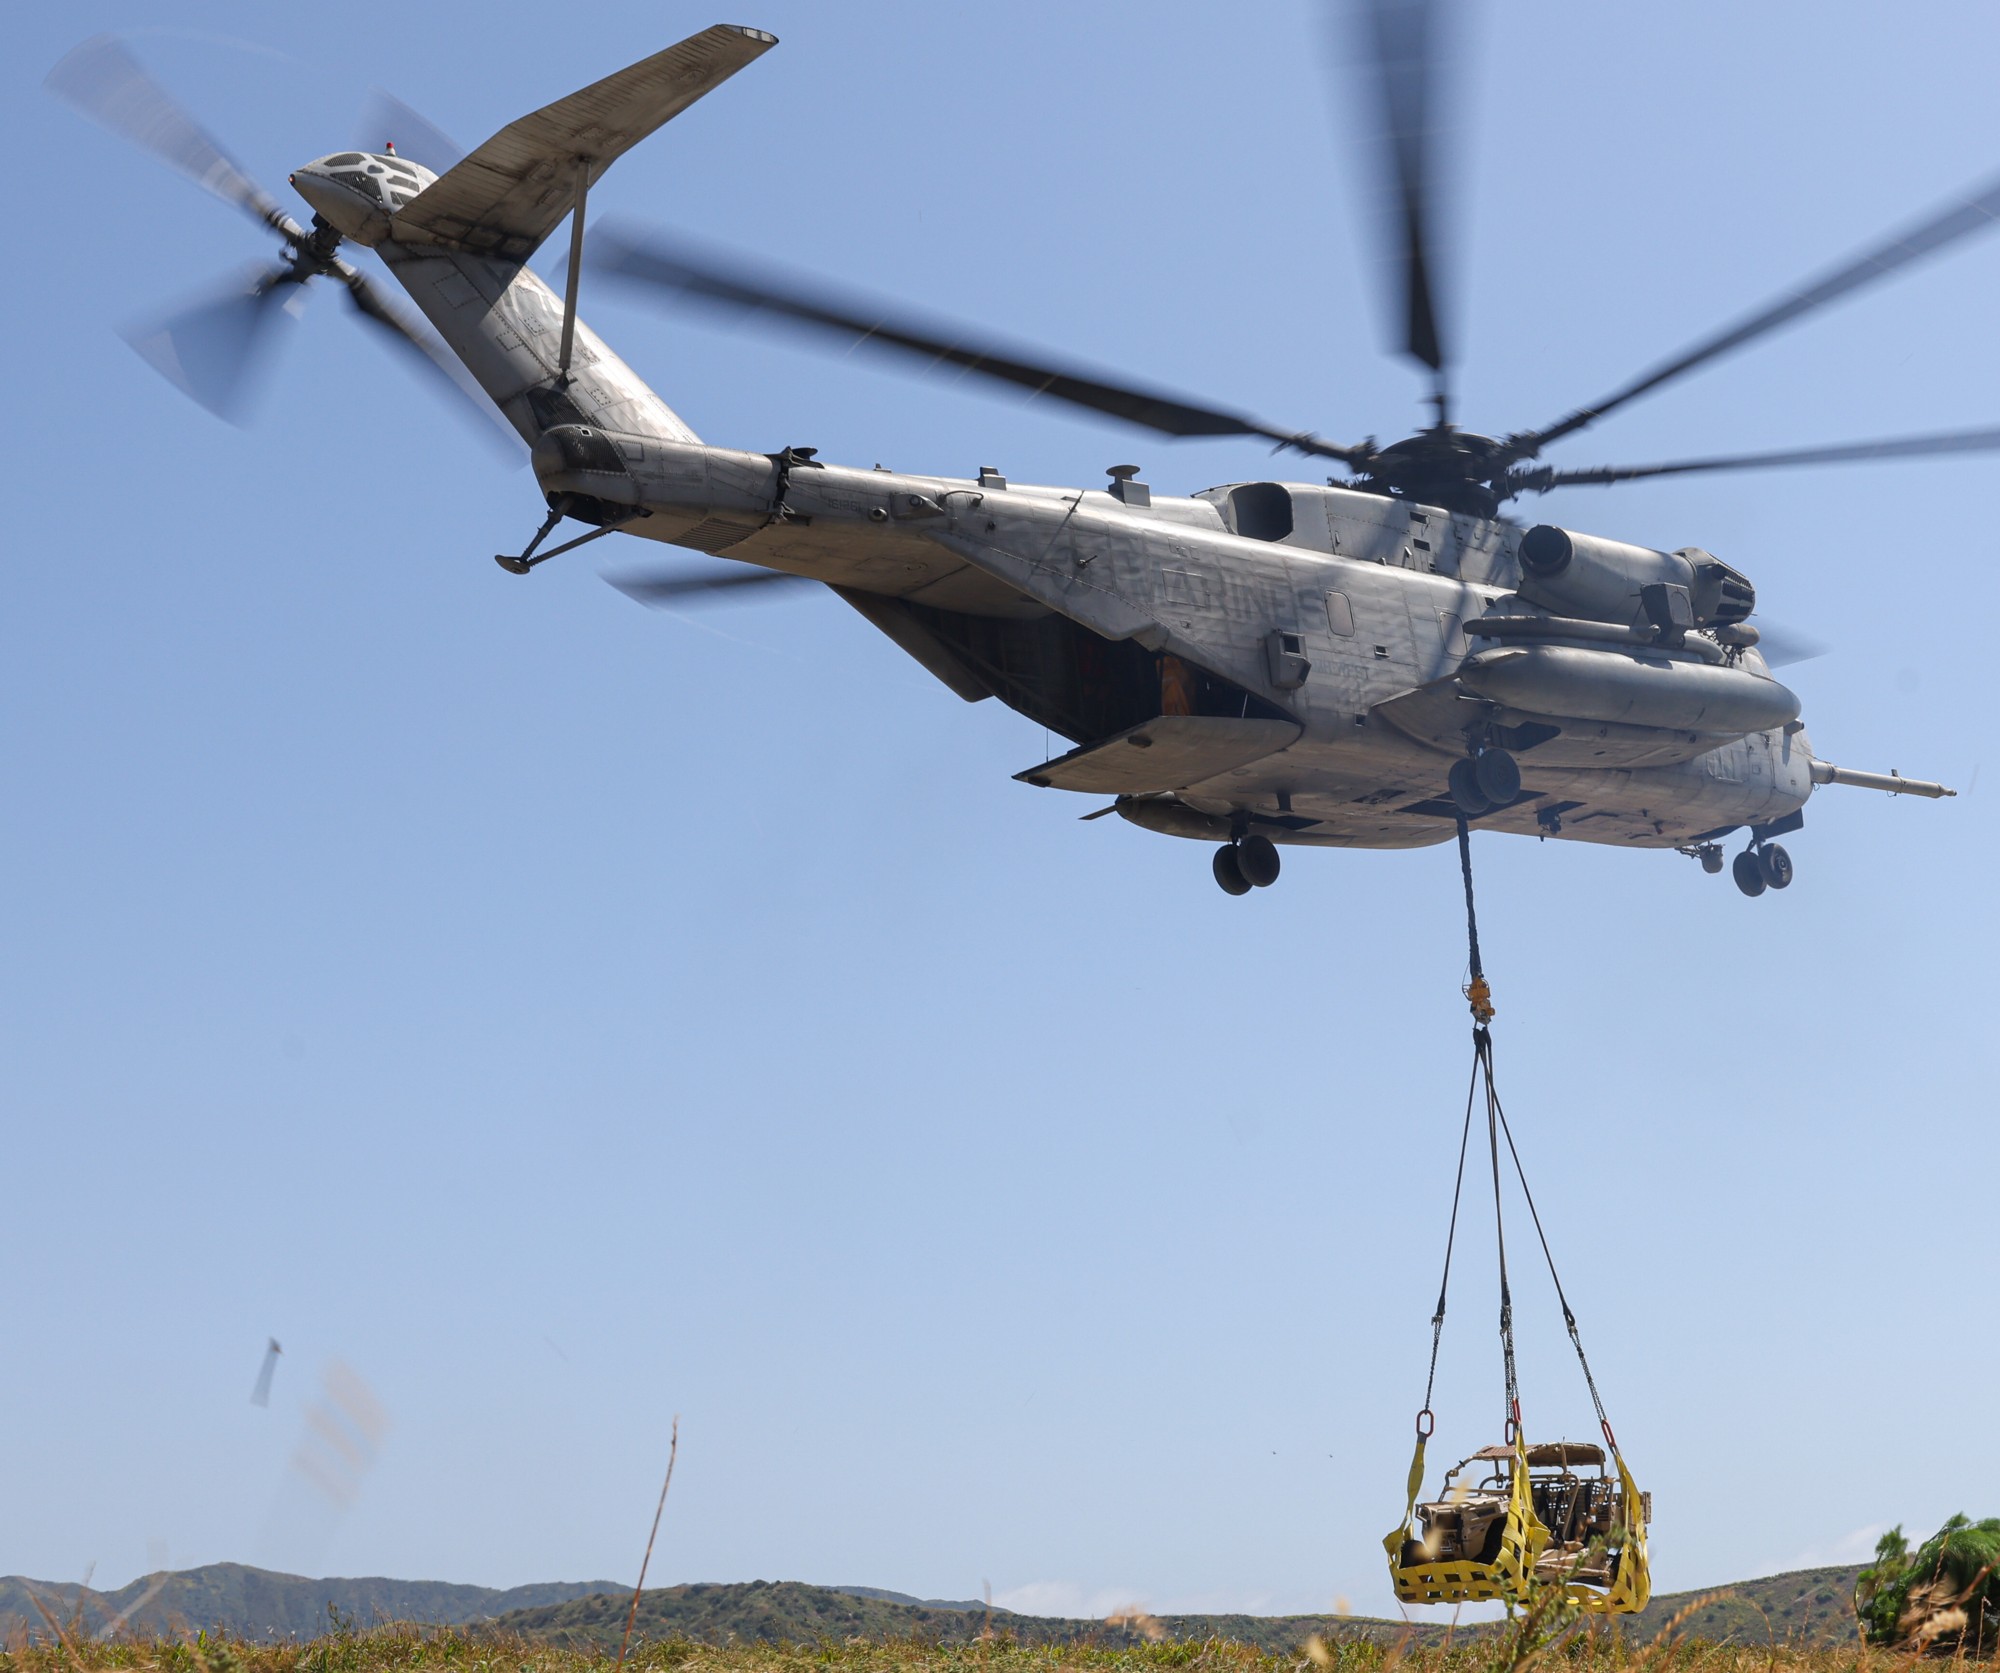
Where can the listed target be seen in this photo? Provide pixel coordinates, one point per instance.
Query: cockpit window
(366, 184)
(347, 159)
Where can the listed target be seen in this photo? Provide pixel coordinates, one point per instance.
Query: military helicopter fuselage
(1305, 662)
(1362, 661)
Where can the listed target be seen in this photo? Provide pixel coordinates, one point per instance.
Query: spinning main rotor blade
(1901, 447)
(674, 265)
(386, 120)
(1783, 646)
(1400, 48)
(665, 591)
(211, 350)
(104, 81)
(1961, 220)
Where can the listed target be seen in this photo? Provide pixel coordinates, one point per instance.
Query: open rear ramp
(510, 194)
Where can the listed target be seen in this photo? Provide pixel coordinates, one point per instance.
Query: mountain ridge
(1805, 1606)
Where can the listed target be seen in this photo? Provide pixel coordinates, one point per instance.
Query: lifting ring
(1426, 1423)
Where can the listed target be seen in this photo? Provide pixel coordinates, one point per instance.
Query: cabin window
(1261, 510)
(1340, 615)
(1453, 629)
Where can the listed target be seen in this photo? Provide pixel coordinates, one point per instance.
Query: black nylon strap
(1569, 1317)
(1450, 1236)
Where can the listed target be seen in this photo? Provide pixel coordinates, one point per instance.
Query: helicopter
(1380, 658)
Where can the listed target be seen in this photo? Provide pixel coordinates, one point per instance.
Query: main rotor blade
(386, 120)
(1901, 447)
(1783, 646)
(675, 265)
(212, 349)
(104, 81)
(1400, 48)
(437, 363)
(1962, 219)
(663, 590)
(677, 589)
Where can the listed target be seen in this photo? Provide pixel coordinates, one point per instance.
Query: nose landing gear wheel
(1228, 873)
(1257, 860)
(1748, 871)
(1711, 860)
(1464, 781)
(1776, 866)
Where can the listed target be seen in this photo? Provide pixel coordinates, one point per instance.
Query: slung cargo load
(1514, 1517)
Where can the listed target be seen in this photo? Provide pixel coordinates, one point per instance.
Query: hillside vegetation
(1807, 1608)
(1811, 1607)
(256, 1603)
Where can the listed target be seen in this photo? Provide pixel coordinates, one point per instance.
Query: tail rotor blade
(104, 81)
(386, 120)
(213, 350)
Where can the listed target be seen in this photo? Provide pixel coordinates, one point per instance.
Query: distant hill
(1807, 1608)
(255, 1603)
(785, 1611)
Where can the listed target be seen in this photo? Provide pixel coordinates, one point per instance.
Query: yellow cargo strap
(1631, 1585)
(1418, 1579)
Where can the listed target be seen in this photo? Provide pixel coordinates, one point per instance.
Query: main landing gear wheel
(1257, 860)
(1776, 866)
(1499, 776)
(1228, 873)
(1748, 871)
(1464, 781)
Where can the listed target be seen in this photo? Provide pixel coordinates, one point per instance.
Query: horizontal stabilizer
(1168, 753)
(512, 192)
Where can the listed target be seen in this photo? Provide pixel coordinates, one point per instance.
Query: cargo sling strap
(1524, 1537)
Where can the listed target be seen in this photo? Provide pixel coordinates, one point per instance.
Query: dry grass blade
(659, 1510)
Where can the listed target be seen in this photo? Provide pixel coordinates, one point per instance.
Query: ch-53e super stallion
(1358, 662)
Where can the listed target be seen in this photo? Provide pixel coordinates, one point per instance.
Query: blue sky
(564, 1016)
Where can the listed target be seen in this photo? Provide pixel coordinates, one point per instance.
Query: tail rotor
(213, 348)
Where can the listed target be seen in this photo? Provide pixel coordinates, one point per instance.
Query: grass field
(455, 1650)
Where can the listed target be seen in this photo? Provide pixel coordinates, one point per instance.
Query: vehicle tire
(1748, 871)
(1499, 776)
(1464, 780)
(1228, 873)
(1776, 866)
(1711, 861)
(1257, 860)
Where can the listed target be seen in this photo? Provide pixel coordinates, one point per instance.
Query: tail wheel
(1257, 860)
(1776, 866)
(1748, 871)
(1228, 873)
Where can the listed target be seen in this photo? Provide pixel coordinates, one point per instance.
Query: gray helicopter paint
(1379, 592)
(1172, 578)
